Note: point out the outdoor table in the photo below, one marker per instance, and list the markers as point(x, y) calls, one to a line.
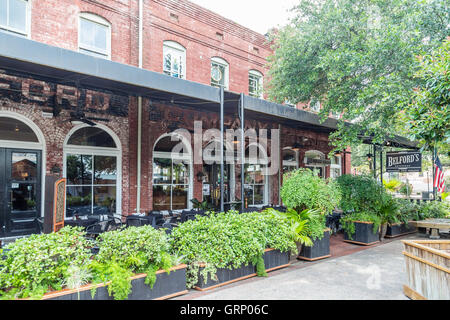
point(434, 224)
point(81, 222)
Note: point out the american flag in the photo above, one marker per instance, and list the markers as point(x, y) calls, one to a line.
point(439, 180)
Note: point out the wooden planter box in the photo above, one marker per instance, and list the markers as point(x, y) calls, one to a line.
point(427, 269)
point(363, 234)
point(320, 249)
point(399, 229)
point(166, 286)
point(273, 260)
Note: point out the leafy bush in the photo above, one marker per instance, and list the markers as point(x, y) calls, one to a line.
point(39, 263)
point(229, 240)
point(347, 221)
point(392, 185)
point(434, 209)
point(128, 251)
point(406, 189)
point(302, 189)
point(360, 193)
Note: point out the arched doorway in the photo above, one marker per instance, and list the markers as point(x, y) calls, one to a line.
point(172, 174)
point(92, 166)
point(21, 175)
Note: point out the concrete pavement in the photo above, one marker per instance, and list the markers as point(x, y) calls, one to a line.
point(377, 273)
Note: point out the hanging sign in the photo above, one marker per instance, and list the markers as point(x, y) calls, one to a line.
point(403, 161)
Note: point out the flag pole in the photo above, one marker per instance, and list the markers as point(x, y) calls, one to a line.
point(434, 173)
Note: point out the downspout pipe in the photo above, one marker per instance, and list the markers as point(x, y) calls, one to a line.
point(139, 120)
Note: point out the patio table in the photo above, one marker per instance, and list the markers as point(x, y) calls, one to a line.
point(434, 224)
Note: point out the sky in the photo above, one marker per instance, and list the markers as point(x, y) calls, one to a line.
point(258, 15)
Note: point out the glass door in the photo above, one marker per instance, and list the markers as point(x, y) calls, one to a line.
point(21, 191)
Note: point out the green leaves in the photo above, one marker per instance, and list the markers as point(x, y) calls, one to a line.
point(358, 59)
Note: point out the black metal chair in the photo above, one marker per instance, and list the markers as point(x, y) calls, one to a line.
point(40, 224)
point(134, 221)
point(94, 230)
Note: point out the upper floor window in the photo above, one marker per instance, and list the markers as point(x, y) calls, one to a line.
point(174, 63)
point(219, 73)
point(14, 16)
point(94, 36)
point(255, 84)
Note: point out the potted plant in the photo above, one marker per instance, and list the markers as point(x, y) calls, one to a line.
point(407, 212)
point(361, 227)
point(312, 199)
point(366, 206)
point(222, 248)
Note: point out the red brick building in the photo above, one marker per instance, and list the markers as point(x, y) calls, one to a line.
point(67, 114)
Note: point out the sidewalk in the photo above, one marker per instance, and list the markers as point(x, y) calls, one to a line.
point(375, 273)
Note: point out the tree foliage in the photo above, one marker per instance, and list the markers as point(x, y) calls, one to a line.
point(358, 58)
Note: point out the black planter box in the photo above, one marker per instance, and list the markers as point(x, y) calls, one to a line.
point(363, 234)
point(166, 286)
point(273, 259)
point(320, 249)
point(400, 229)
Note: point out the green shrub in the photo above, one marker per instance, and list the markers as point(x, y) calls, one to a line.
point(229, 240)
point(360, 193)
point(39, 263)
point(347, 221)
point(434, 209)
point(303, 189)
point(129, 251)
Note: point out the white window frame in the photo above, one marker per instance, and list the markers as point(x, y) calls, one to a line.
point(290, 163)
point(98, 151)
point(256, 73)
point(101, 21)
point(27, 32)
point(174, 48)
point(336, 166)
point(224, 63)
point(185, 157)
point(264, 162)
point(312, 167)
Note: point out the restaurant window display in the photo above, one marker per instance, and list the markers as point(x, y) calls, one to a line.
point(255, 178)
point(93, 173)
point(171, 176)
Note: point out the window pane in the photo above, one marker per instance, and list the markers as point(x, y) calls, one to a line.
point(180, 174)
point(79, 169)
point(161, 198)
point(12, 129)
point(180, 197)
point(168, 62)
point(104, 200)
point(93, 137)
point(24, 166)
point(105, 170)
point(93, 36)
point(162, 171)
point(3, 12)
point(248, 194)
point(23, 197)
point(259, 195)
point(101, 33)
point(78, 201)
point(18, 15)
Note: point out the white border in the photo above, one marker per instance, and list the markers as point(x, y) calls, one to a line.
point(99, 151)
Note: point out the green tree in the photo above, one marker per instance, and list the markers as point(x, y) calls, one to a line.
point(428, 115)
point(358, 58)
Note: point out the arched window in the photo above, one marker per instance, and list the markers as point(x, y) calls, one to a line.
point(290, 160)
point(315, 160)
point(172, 176)
point(93, 172)
point(94, 35)
point(15, 130)
point(174, 61)
point(255, 178)
point(255, 84)
point(220, 70)
point(336, 166)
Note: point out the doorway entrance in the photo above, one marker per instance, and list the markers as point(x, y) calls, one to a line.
point(211, 184)
point(20, 191)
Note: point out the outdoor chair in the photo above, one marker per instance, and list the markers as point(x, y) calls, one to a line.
point(94, 230)
point(136, 222)
point(40, 224)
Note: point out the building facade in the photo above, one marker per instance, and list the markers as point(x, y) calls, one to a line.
point(112, 145)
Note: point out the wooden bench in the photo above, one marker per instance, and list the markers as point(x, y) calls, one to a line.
point(435, 225)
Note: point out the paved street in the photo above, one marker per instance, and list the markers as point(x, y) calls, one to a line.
point(372, 274)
